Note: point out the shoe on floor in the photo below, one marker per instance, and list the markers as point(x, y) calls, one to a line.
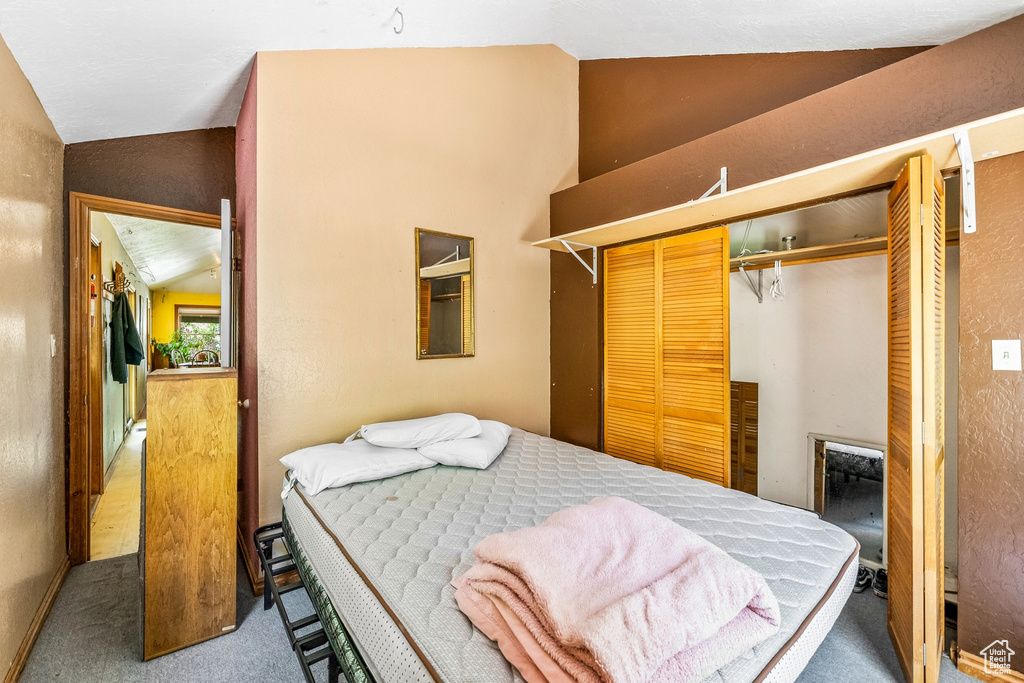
point(864, 578)
point(881, 584)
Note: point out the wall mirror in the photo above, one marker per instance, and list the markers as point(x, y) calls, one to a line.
point(444, 295)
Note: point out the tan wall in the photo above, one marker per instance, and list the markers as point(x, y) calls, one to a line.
point(355, 149)
point(31, 382)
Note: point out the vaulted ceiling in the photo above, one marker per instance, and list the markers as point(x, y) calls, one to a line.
point(109, 68)
point(171, 256)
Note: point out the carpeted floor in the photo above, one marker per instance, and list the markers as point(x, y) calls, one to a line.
point(92, 636)
point(857, 649)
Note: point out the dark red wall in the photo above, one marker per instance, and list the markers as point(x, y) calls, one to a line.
point(248, 457)
point(631, 109)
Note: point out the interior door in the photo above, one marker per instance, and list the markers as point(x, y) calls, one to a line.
point(666, 354)
point(96, 363)
point(695, 355)
point(227, 288)
point(632, 365)
point(916, 396)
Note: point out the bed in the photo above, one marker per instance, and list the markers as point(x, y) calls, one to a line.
point(377, 557)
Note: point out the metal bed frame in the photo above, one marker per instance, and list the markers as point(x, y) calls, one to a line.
point(311, 647)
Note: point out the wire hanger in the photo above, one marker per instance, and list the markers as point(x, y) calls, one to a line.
point(402, 17)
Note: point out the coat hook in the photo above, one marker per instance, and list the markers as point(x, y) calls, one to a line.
point(402, 17)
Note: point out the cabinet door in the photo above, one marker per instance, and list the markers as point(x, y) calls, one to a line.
point(743, 417)
point(631, 362)
point(695, 355)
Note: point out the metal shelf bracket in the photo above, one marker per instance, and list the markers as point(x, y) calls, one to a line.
point(722, 184)
point(592, 268)
point(758, 289)
point(963, 148)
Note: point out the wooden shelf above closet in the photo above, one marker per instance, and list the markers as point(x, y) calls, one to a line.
point(826, 252)
point(990, 137)
point(872, 246)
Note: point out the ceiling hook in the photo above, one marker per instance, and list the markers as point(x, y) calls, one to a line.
point(402, 17)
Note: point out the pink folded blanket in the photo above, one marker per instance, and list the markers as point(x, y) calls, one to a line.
point(611, 591)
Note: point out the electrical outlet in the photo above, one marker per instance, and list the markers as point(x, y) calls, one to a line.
point(1006, 354)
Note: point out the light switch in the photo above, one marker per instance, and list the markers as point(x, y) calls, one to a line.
point(1006, 354)
point(53, 346)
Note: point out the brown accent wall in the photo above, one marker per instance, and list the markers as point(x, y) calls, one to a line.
point(248, 456)
point(991, 416)
point(31, 381)
point(190, 170)
point(631, 109)
point(976, 76)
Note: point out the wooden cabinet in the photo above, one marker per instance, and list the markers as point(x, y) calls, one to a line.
point(666, 353)
point(744, 437)
point(189, 499)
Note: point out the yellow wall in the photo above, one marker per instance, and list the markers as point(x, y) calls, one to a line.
point(32, 300)
point(163, 310)
point(356, 149)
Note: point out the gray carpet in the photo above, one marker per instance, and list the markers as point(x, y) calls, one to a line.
point(857, 649)
point(92, 636)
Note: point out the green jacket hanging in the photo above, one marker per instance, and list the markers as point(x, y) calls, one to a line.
point(125, 345)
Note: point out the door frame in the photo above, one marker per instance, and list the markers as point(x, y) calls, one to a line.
point(80, 208)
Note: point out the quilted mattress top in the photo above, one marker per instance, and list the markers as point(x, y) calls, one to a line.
point(411, 535)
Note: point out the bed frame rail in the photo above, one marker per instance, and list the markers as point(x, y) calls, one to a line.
point(311, 647)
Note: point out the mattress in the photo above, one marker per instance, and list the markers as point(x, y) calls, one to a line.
point(385, 552)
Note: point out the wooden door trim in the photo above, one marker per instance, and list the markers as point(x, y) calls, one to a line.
point(80, 206)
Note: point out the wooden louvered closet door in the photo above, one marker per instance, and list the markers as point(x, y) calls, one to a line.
point(631, 365)
point(916, 397)
point(667, 354)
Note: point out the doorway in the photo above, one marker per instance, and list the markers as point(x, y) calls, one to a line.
point(133, 252)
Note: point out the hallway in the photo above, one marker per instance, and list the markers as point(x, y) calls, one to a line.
point(115, 523)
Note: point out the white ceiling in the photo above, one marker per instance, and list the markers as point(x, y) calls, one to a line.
point(171, 256)
point(110, 68)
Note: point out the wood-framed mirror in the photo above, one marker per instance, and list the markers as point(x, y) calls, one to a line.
point(445, 326)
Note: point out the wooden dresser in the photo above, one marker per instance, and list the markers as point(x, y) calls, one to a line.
point(189, 482)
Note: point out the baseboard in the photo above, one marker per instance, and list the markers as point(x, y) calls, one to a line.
point(973, 665)
point(256, 575)
point(109, 473)
point(21, 656)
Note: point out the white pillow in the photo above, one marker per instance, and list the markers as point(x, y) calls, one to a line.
point(478, 451)
point(336, 464)
point(420, 432)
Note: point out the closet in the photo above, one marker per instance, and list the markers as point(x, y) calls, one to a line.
point(666, 354)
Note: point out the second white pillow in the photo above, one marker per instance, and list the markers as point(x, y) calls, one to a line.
point(422, 431)
point(478, 451)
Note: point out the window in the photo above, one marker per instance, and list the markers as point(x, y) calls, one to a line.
point(199, 327)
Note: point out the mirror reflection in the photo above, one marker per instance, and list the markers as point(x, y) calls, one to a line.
point(444, 266)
